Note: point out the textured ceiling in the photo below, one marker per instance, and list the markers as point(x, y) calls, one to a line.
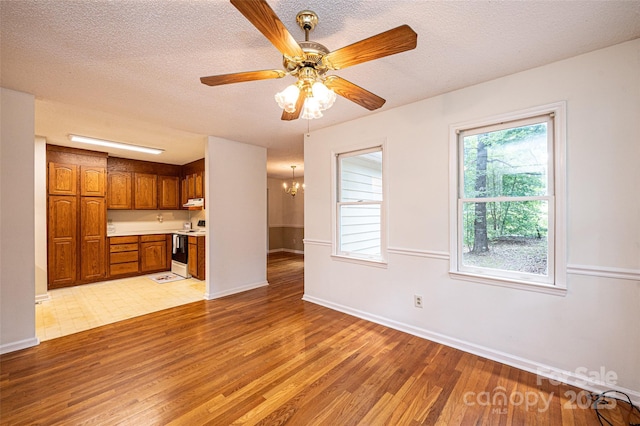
point(129, 70)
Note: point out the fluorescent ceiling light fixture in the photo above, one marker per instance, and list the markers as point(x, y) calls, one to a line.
point(111, 144)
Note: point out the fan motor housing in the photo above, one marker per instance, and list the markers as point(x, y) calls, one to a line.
point(313, 54)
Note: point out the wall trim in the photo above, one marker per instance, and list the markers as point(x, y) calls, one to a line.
point(219, 294)
point(21, 344)
point(441, 255)
point(316, 242)
point(542, 370)
point(604, 272)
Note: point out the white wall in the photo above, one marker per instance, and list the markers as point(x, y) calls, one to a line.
point(275, 201)
point(595, 325)
point(40, 211)
point(17, 219)
point(285, 210)
point(236, 182)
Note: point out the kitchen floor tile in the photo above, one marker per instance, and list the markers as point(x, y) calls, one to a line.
point(73, 309)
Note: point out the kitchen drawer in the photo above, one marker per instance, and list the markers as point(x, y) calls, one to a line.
point(123, 268)
point(115, 248)
point(123, 240)
point(150, 238)
point(123, 257)
point(193, 240)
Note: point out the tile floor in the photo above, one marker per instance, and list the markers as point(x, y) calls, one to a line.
point(74, 309)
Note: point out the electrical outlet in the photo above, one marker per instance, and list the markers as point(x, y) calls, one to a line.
point(417, 301)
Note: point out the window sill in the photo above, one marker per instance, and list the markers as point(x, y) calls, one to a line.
point(510, 283)
point(360, 261)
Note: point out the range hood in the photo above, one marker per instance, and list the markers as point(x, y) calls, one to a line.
point(194, 202)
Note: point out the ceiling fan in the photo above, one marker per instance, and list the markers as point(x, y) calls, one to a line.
point(309, 61)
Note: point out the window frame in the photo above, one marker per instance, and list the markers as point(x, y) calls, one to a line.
point(337, 254)
point(555, 281)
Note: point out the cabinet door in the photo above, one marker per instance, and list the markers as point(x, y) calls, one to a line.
point(146, 191)
point(62, 245)
point(183, 193)
point(198, 185)
point(93, 181)
point(153, 256)
point(119, 191)
point(191, 186)
point(62, 179)
point(168, 192)
point(192, 257)
point(93, 230)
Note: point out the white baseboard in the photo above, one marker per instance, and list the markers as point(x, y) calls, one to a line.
point(21, 344)
point(541, 370)
point(280, 250)
point(217, 295)
point(43, 297)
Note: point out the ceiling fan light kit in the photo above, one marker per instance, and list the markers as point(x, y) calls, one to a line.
point(309, 61)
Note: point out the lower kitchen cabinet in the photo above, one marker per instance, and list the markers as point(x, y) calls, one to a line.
point(153, 253)
point(123, 256)
point(196, 257)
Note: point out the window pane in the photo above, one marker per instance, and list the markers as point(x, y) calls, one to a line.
point(509, 162)
point(360, 229)
point(361, 177)
point(509, 235)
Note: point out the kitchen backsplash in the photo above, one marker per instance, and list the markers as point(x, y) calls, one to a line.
point(131, 221)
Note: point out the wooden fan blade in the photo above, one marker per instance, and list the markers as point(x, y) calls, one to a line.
point(239, 77)
point(288, 116)
point(260, 14)
point(390, 42)
point(354, 92)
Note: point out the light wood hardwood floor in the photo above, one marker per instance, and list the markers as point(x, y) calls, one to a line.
point(266, 357)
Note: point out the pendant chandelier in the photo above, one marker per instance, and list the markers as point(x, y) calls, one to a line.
point(293, 188)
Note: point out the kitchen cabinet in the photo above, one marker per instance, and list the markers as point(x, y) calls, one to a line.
point(153, 253)
point(119, 190)
point(62, 179)
point(198, 185)
point(145, 194)
point(168, 193)
point(62, 240)
point(93, 231)
point(76, 216)
point(183, 193)
point(196, 257)
point(123, 256)
point(192, 186)
point(93, 182)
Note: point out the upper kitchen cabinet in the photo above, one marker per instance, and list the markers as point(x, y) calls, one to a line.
point(119, 190)
point(168, 193)
point(93, 181)
point(193, 180)
point(145, 191)
point(143, 185)
point(199, 184)
point(62, 179)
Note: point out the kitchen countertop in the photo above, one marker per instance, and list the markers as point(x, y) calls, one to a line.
point(194, 232)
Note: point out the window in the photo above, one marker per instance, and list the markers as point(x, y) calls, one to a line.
point(360, 205)
point(507, 205)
